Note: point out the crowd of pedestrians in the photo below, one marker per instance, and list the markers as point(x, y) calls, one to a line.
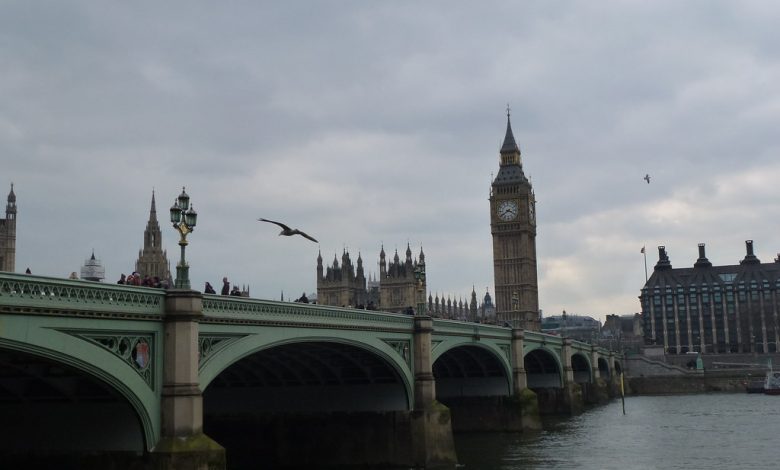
point(135, 279)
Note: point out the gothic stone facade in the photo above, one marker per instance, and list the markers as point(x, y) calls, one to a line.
point(8, 235)
point(398, 288)
point(345, 285)
point(513, 226)
point(341, 285)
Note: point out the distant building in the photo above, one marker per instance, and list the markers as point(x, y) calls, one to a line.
point(623, 332)
point(398, 288)
point(713, 309)
point(341, 285)
point(8, 235)
point(579, 327)
point(92, 269)
point(152, 259)
point(487, 310)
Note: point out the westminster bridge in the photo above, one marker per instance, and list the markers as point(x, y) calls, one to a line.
point(93, 373)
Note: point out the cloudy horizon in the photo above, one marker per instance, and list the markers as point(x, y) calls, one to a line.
point(370, 124)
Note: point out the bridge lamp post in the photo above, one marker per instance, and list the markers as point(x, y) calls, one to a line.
point(419, 276)
point(183, 218)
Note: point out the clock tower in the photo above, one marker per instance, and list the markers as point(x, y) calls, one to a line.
point(513, 226)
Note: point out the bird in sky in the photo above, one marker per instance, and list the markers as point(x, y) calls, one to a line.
point(287, 231)
point(647, 178)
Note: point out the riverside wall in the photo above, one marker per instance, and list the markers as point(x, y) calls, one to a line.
point(644, 376)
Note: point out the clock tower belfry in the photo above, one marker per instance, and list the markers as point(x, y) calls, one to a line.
point(513, 226)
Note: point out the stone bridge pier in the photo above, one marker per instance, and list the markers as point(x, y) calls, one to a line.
point(182, 444)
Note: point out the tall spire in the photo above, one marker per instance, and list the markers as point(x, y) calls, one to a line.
point(509, 146)
point(153, 210)
point(152, 259)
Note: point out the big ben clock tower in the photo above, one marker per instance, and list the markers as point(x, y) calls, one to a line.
point(513, 226)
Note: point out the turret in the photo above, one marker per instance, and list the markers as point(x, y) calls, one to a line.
point(382, 263)
point(10, 207)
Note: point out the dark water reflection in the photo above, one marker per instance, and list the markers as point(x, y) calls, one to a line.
point(715, 431)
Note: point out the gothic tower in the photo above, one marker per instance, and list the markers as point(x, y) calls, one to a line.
point(8, 234)
point(341, 285)
point(513, 226)
point(152, 260)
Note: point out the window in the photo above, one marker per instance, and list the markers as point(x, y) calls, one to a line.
point(729, 277)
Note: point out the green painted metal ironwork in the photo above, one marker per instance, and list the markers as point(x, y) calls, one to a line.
point(115, 333)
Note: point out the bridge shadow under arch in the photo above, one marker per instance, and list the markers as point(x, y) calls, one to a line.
point(544, 376)
point(57, 413)
point(470, 371)
point(305, 377)
point(604, 372)
point(304, 403)
point(473, 382)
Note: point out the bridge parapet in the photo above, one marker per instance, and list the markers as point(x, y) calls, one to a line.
point(239, 309)
point(476, 330)
point(24, 291)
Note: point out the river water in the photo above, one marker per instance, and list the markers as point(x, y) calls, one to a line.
point(713, 431)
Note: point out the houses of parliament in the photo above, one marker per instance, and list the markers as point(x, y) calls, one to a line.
point(398, 289)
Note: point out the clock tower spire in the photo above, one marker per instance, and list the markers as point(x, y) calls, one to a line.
point(513, 226)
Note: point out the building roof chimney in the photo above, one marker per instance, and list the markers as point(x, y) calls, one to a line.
point(702, 262)
point(749, 258)
point(663, 260)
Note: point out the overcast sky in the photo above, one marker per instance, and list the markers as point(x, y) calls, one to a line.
point(370, 123)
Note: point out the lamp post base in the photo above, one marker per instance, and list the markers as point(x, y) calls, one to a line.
point(182, 277)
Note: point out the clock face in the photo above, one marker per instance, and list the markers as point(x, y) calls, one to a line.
point(507, 210)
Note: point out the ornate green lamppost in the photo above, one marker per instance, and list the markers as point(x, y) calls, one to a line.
point(419, 276)
point(183, 218)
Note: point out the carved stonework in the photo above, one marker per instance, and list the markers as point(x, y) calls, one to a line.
point(136, 349)
point(402, 348)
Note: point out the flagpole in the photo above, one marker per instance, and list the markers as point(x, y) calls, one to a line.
point(622, 393)
point(644, 253)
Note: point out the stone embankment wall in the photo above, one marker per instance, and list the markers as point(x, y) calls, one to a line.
point(648, 377)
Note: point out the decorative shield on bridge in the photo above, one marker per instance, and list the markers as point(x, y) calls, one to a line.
point(141, 354)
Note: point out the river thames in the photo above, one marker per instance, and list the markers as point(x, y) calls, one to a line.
point(712, 431)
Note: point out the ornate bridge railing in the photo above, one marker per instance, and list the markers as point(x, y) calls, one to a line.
point(24, 292)
point(226, 309)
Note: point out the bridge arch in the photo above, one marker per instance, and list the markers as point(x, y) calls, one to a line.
point(604, 371)
point(470, 368)
point(543, 368)
point(384, 357)
point(580, 364)
point(124, 410)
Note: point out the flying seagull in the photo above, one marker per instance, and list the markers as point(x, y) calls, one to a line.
point(647, 178)
point(289, 231)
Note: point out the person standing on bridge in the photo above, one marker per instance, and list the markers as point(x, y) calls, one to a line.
point(225, 286)
point(208, 289)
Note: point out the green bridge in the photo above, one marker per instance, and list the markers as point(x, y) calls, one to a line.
point(93, 373)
